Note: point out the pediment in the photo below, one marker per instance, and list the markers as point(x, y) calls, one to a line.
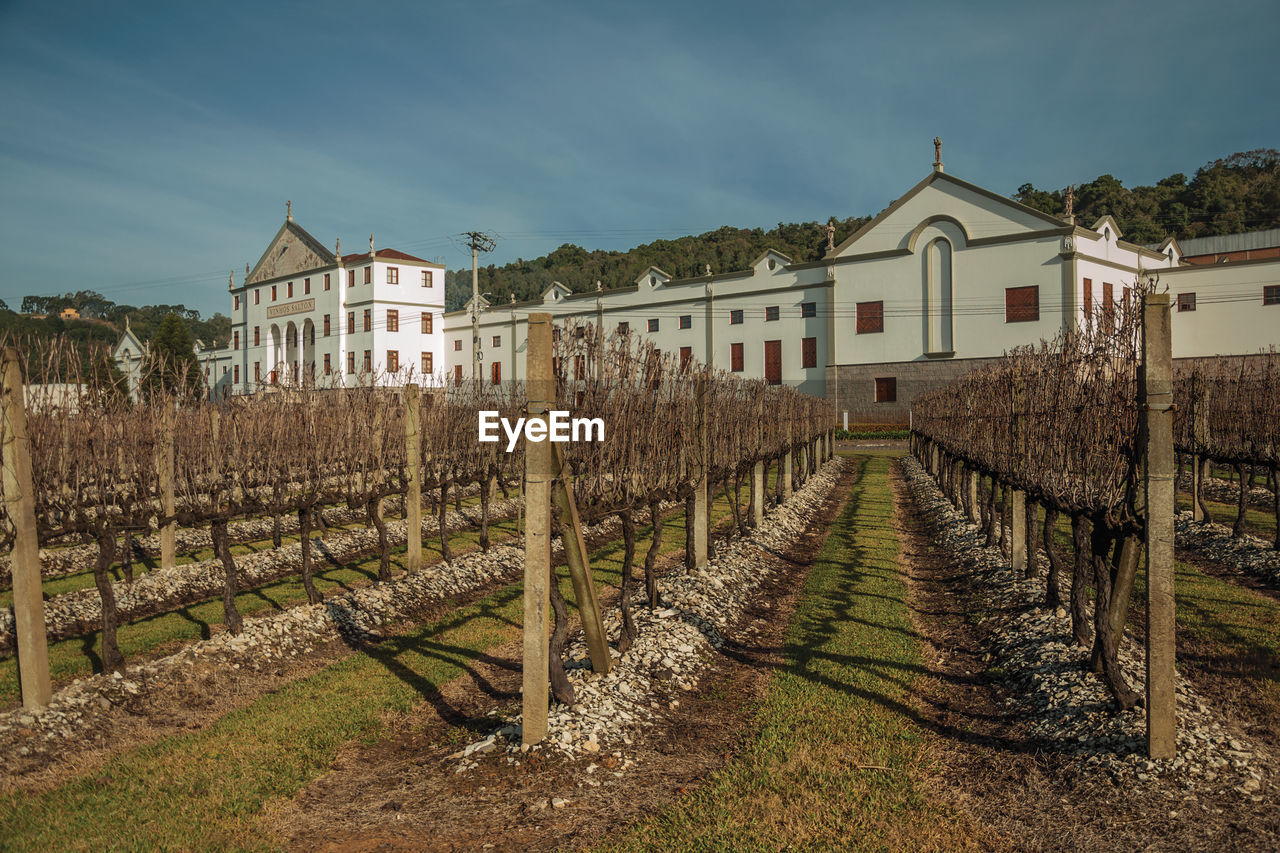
point(975, 213)
point(291, 251)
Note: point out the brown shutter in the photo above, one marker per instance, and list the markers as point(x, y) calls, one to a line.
point(1021, 304)
point(809, 352)
point(887, 390)
point(870, 317)
point(735, 357)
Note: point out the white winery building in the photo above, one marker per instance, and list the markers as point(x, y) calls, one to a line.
point(947, 276)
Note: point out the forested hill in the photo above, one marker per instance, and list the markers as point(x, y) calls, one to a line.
point(1238, 193)
point(103, 320)
point(726, 249)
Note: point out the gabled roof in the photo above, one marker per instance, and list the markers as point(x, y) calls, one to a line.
point(767, 253)
point(1107, 220)
point(935, 177)
point(129, 340)
point(662, 276)
point(555, 292)
point(384, 255)
point(292, 250)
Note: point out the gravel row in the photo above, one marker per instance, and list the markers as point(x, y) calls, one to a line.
point(356, 616)
point(76, 612)
point(1046, 677)
point(674, 647)
point(1226, 492)
point(1250, 555)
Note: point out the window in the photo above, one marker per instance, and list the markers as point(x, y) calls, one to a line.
point(426, 322)
point(809, 352)
point(351, 278)
point(579, 367)
point(288, 291)
point(257, 337)
point(235, 376)
point(457, 345)
point(257, 371)
point(351, 362)
point(887, 390)
point(1186, 302)
point(497, 340)
point(1271, 294)
point(624, 328)
point(393, 361)
point(426, 278)
point(237, 302)
point(428, 366)
point(368, 319)
point(235, 337)
point(368, 361)
point(870, 317)
point(771, 313)
point(686, 321)
point(393, 320)
point(326, 281)
point(686, 357)
point(1108, 302)
point(457, 373)
point(808, 309)
point(1088, 298)
point(306, 286)
point(328, 365)
point(257, 297)
point(327, 326)
point(393, 275)
point(735, 317)
point(351, 322)
point(497, 373)
point(735, 357)
point(653, 325)
point(368, 275)
point(273, 293)
point(1021, 304)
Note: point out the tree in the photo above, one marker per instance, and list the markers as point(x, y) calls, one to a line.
point(171, 365)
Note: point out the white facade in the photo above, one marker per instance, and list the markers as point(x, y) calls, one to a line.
point(947, 275)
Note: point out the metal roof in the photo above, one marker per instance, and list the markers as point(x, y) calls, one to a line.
point(1267, 239)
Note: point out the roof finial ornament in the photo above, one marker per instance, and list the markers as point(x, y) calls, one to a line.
point(707, 269)
point(246, 269)
point(831, 234)
point(937, 154)
point(231, 280)
point(288, 211)
point(599, 286)
point(513, 298)
point(371, 252)
point(1070, 203)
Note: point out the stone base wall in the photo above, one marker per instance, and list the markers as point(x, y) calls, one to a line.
point(852, 387)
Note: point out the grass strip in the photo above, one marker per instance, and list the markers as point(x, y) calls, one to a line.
point(204, 790)
point(837, 760)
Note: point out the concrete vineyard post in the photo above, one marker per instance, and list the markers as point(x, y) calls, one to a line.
point(575, 554)
point(24, 565)
point(701, 504)
point(971, 479)
point(1018, 532)
point(413, 494)
point(168, 504)
point(785, 473)
point(537, 540)
point(1157, 400)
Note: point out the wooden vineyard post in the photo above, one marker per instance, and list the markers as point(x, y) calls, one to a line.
point(24, 564)
point(1157, 399)
point(702, 461)
point(575, 554)
point(1018, 530)
point(757, 494)
point(168, 505)
point(1197, 461)
point(971, 481)
point(785, 472)
point(537, 540)
point(413, 494)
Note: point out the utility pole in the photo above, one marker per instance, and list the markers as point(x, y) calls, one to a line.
point(477, 241)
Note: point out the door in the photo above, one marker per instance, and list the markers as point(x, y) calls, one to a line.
point(773, 362)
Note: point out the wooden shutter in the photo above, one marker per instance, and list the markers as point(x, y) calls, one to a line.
point(870, 317)
point(887, 390)
point(809, 352)
point(735, 357)
point(1021, 304)
point(686, 357)
point(773, 362)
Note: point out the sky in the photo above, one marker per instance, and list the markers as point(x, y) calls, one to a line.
point(148, 149)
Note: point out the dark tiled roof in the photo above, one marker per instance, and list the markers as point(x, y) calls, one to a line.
point(382, 254)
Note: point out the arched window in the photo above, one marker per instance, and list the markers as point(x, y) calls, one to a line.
point(938, 296)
